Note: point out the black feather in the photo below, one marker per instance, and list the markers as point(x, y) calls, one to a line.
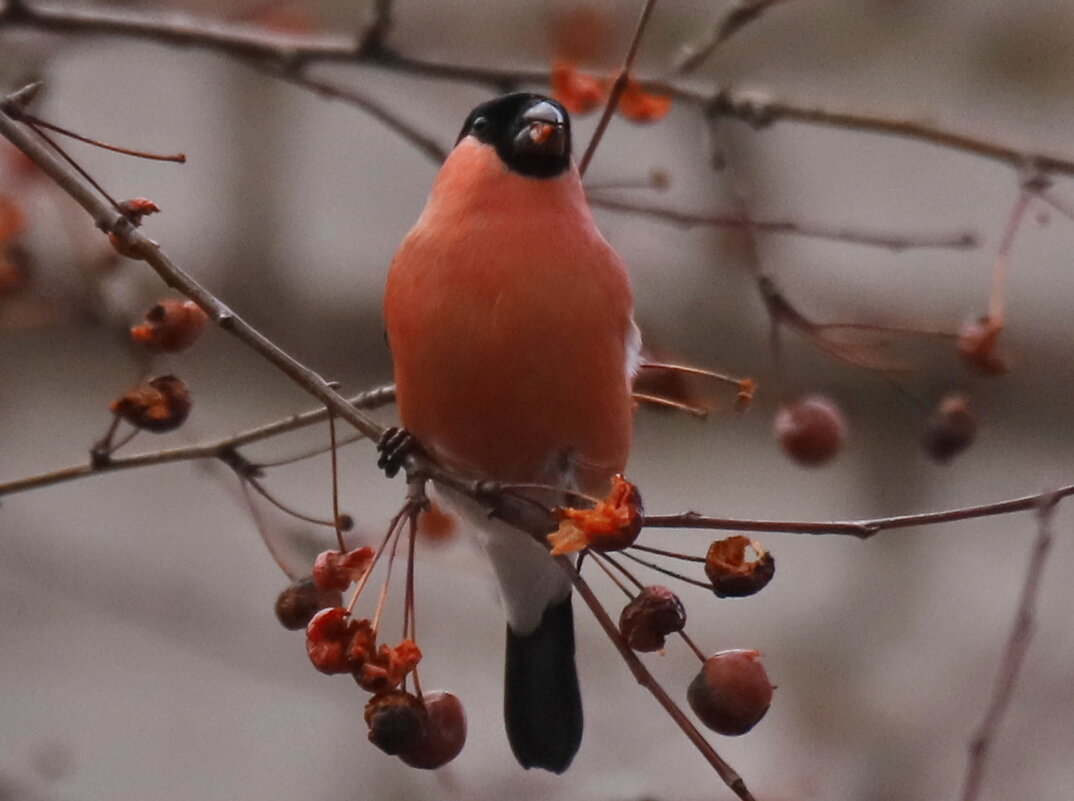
point(542, 704)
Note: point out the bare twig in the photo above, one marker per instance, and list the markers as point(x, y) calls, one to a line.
point(862, 529)
point(645, 678)
point(290, 52)
point(738, 16)
point(618, 86)
point(760, 110)
point(1014, 653)
point(897, 242)
point(223, 449)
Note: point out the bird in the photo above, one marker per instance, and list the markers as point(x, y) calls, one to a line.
point(510, 323)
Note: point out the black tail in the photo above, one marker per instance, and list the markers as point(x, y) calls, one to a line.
point(542, 706)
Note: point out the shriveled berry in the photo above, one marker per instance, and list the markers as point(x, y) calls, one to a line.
point(300, 601)
point(336, 570)
point(951, 428)
point(978, 346)
point(162, 404)
point(810, 430)
point(397, 721)
point(170, 326)
point(327, 637)
point(654, 613)
point(731, 693)
point(444, 734)
point(732, 573)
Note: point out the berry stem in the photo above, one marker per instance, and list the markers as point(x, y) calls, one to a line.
point(667, 572)
point(728, 774)
point(608, 572)
point(672, 554)
point(335, 479)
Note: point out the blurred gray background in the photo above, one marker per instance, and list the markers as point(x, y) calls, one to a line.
point(139, 655)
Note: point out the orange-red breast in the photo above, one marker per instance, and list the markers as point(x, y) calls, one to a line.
point(510, 323)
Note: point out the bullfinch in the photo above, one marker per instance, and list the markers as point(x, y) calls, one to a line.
point(509, 319)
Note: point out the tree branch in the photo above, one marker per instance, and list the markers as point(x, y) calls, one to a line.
point(897, 242)
point(862, 529)
point(291, 52)
point(225, 449)
point(1014, 654)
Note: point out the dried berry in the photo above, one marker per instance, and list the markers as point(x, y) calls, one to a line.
point(654, 613)
point(170, 326)
point(160, 405)
point(731, 693)
point(299, 602)
point(951, 428)
point(396, 721)
point(328, 636)
point(611, 525)
point(444, 734)
point(337, 570)
point(378, 669)
point(979, 349)
point(810, 430)
point(731, 570)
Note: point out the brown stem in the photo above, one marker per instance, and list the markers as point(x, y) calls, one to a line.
point(223, 449)
point(1014, 653)
point(862, 529)
point(618, 86)
point(898, 242)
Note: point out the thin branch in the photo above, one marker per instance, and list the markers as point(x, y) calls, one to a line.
point(428, 146)
point(737, 17)
point(862, 529)
point(760, 111)
point(619, 85)
point(898, 242)
point(1014, 653)
point(224, 449)
point(243, 40)
point(645, 678)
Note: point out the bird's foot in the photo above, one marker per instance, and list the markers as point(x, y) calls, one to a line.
point(394, 446)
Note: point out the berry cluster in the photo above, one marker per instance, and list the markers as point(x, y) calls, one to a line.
point(425, 730)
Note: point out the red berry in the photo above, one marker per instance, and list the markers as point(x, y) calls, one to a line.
point(327, 637)
point(299, 602)
point(810, 430)
point(170, 326)
point(653, 614)
point(444, 734)
point(731, 693)
point(951, 428)
point(160, 405)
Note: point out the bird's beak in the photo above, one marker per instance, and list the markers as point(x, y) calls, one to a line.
point(544, 132)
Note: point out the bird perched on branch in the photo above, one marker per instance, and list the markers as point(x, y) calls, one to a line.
point(509, 319)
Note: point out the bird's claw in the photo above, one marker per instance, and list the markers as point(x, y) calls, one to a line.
point(394, 446)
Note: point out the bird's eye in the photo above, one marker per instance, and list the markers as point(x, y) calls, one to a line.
point(480, 125)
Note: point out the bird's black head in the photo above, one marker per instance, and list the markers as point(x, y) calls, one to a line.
point(531, 133)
